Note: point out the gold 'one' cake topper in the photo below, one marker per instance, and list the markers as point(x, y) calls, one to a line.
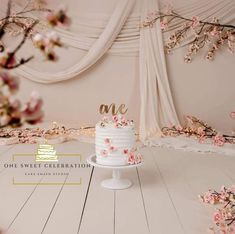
point(105, 109)
point(46, 153)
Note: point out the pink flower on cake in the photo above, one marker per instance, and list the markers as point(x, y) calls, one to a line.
point(125, 151)
point(115, 118)
point(219, 140)
point(131, 159)
point(107, 141)
point(112, 148)
point(104, 153)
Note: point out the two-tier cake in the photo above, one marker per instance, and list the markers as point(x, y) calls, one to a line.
point(46, 153)
point(115, 142)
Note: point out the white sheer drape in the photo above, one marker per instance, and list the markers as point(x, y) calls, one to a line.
point(157, 106)
point(119, 34)
point(96, 51)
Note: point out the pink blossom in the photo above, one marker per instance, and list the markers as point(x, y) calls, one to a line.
point(163, 25)
point(217, 217)
point(32, 110)
point(179, 128)
point(111, 148)
point(210, 197)
point(59, 17)
point(215, 32)
point(107, 141)
point(131, 159)
point(11, 81)
point(125, 151)
point(104, 153)
point(195, 22)
point(201, 131)
point(115, 118)
point(219, 140)
point(232, 114)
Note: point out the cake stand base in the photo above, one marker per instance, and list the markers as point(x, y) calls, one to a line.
point(116, 182)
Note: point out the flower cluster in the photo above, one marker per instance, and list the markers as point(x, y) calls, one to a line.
point(117, 121)
point(27, 26)
point(205, 33)
point(59, 17)
point(202, 131)
point(47, 43)
point(35, 135)
point(11, 111)
point(109, 147)
point(223, 217)
point(133, 156)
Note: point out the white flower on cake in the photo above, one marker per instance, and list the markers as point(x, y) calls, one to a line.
point(117, 121)
point(115, 139)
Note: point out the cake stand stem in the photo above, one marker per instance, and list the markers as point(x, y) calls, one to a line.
point(116, 182)
point(116, 174)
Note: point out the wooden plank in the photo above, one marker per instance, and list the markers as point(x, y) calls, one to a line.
point(44, 199)
point(129, 207)
point(161, 214)
point(13, 198)
point(34, 214)
point(98, 215)
point(186, 175)
point(67, 212)
point(4, 148)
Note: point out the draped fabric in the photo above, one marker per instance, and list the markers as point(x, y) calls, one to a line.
point(96, 51)
point(120, 34)
point(157, 106)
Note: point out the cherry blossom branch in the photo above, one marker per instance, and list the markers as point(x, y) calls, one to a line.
point(202, 131)
point(12, 113)
point(214, 34)
point(224, 216)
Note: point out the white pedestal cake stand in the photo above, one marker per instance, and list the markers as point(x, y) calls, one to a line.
point(116, 182)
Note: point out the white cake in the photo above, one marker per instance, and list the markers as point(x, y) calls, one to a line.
point(115, 140)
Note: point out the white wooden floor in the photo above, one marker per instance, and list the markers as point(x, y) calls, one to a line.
point(163, 198)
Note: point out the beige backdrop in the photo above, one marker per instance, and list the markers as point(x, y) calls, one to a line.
point(204, 89)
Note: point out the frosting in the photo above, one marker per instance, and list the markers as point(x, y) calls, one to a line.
point(115, 139)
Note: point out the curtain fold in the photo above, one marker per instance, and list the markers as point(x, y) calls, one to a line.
point(157, 106)
point(96, 51)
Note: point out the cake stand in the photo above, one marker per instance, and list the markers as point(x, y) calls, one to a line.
point(116, 182)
